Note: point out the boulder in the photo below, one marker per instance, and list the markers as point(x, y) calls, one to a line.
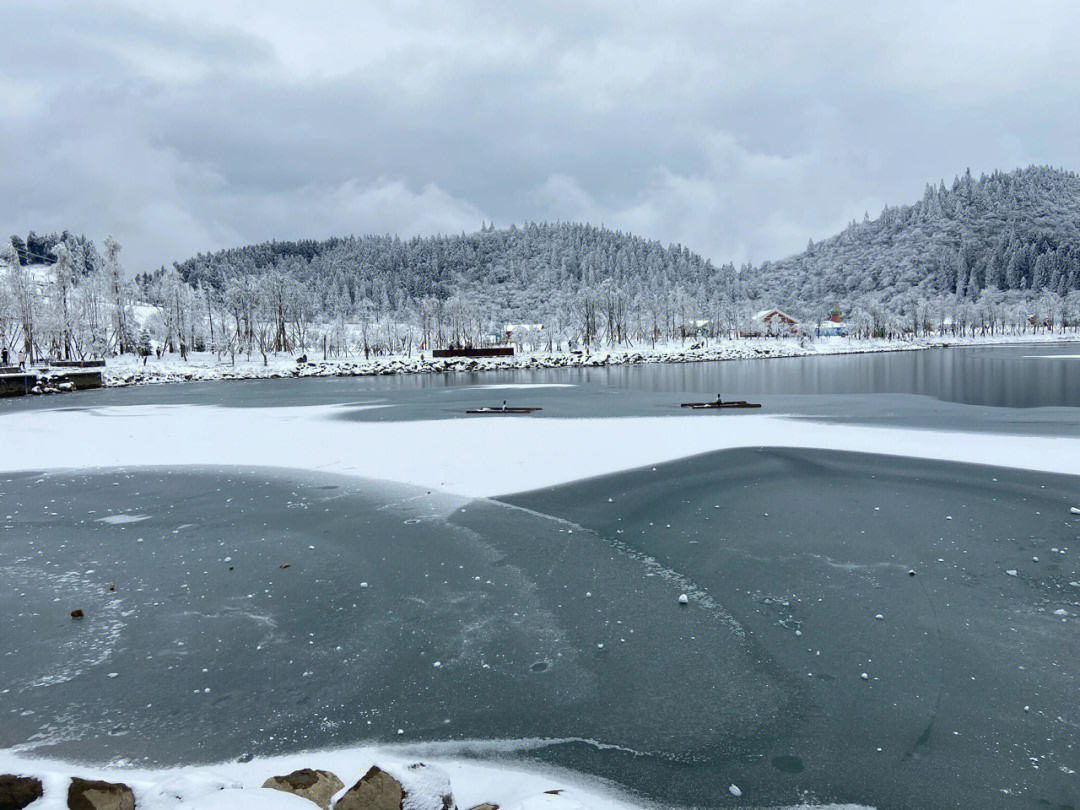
point(376, 790)
point(16, 792)
point(89, 794)
point(427, 788)
point(315, 786)
point(485, 806)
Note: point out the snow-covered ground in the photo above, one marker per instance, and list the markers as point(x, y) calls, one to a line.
point(130, 370)
point(235, 785)
point(238, 785)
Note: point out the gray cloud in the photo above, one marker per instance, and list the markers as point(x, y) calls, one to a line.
point(739, 129)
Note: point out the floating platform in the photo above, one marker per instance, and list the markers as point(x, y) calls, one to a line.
point(17, 383)
point(490, 351)
point(718, 405)
point(501, 410)
point(49, 381)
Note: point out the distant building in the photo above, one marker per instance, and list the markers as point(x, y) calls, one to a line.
point(831, 329)
point(523, 333)
point(773, 322)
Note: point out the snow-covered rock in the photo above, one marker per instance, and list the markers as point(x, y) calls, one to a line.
point(188, 789)
point(319, 787)
point(427, 787)
point(375, 790)
point(92, 794)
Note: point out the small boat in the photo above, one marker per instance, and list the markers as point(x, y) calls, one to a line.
point(504, 408)
point(719, 404)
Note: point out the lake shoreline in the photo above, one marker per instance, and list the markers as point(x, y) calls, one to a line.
point(206, 368)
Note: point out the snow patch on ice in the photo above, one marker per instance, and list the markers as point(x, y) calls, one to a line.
point(478, 458)
point(120, 520)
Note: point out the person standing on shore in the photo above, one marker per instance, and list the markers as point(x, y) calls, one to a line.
point(22, 360)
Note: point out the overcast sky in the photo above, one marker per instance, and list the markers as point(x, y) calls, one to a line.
point(739, 129)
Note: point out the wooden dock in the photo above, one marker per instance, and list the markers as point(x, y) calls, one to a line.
point(502, 410)
point(51, 380)
point(718, 405)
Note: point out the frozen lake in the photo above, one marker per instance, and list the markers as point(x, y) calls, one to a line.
point(546, 624)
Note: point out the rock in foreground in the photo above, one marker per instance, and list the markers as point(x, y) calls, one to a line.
point(315, 786)
point(16, 792)
point(376, 790)
point(88, 794)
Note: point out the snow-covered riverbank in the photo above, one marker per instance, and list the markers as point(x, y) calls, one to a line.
point(207, 367)
point(472, 783)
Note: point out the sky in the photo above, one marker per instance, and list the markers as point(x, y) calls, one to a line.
point(741, 130)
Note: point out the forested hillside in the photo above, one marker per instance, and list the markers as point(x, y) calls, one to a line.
point(525, 273)
point(1017, 231)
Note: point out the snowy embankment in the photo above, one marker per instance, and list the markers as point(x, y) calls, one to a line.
point(469, 783)
point(208, 367)
point(235, 785)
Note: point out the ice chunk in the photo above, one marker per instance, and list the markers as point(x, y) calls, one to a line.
point(119, 520)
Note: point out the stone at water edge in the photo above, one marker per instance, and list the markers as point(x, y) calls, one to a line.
point(16, 792)
point(684, 599)
point(316, 786)
point(376, 790)
point(89, 794)
point(427, 788)
point(485, 806)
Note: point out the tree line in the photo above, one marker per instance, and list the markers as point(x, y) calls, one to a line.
point(988, 256)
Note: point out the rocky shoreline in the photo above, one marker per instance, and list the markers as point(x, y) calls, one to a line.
point(121, 375)
point(413, 787)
